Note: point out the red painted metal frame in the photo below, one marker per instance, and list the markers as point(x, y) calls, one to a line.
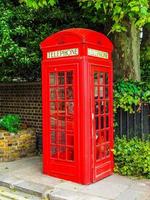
point(83, 168)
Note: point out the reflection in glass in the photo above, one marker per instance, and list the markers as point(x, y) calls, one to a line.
point(70, 140)
point(107, 135)
point(106, 92)
point(97, 138)
point(101, 107)
point(96, 108)
point(53, 122)
point(69, 77)
point(61, 93)
point(96, 78)
point(52, 78)
point(98, 153)
point(102, 137)
point(96, 92)
point(107, 150)
point(70, 107)
point(52, 93)
point(69, 92)
point(102, 149)
point(53, 137)
point(61, 78)
point(107, 106)
point(101, 78)
point(53, 107)
point(101, 91)
point(62, 137)
point(70, 154)
point(54, 151)
point(106, 78)
point(61, 122)
point(61, 107)
point(107, 121)
point(62, 152)
point(102, 122)
point(96, 123)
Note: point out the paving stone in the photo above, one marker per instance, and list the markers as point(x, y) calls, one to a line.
point(70, 186)
point(133, 195)
point(26, 174)
point(9, 181)
point(8, 194)
point(59, 194)
point(32, 188)
point(105, 190)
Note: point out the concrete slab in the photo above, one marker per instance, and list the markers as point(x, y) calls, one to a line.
point(133, 195)
point(7, 194)
point(59, 194)
point(105, 189)
point(26, 174)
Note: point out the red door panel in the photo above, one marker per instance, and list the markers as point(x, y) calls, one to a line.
point(62, 129)
point(102, 122)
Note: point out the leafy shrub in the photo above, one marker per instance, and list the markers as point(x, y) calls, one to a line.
point(130, 93)
point(10, 123)
point(132, 157)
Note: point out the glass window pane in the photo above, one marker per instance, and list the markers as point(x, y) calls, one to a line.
point(96, 122)
point(102, 150)
point(96, 78)
point(101, 92)
point(53, 122)
point(96, 92)
point(61, 78)
point(54, 151)
point(106, 92)
point(53, 107)
point(70, 140)
point(70, 124)
point(69, 92)
point(107, 135)
point(62, 152)
point(70, 77)
point(52, 78)
point(107, 106)
point(96, 108)
point(107, 150)
point(98, 153)
point(70, 154)
point(61, 93)
point(101, 78)
point(102, 122)
point(61, 107)
point(70, 107)
point(62, 137)
point(61, 122)
point(53, 137)
point(101, 107)
point(107, 121)
point(97, 138)
point(52, 93)
point(106, 78)
point(102, 136)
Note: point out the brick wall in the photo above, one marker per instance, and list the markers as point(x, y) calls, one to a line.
point(23, 99)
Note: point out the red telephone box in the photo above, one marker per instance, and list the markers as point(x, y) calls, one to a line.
point(77, 95)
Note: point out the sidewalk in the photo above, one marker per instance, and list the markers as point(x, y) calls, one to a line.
point(26, 175)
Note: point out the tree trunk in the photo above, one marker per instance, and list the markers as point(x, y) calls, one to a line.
point(127, 54)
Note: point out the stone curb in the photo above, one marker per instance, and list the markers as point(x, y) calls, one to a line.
point(24, 186)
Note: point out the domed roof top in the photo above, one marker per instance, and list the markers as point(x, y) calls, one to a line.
point(77, 35)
